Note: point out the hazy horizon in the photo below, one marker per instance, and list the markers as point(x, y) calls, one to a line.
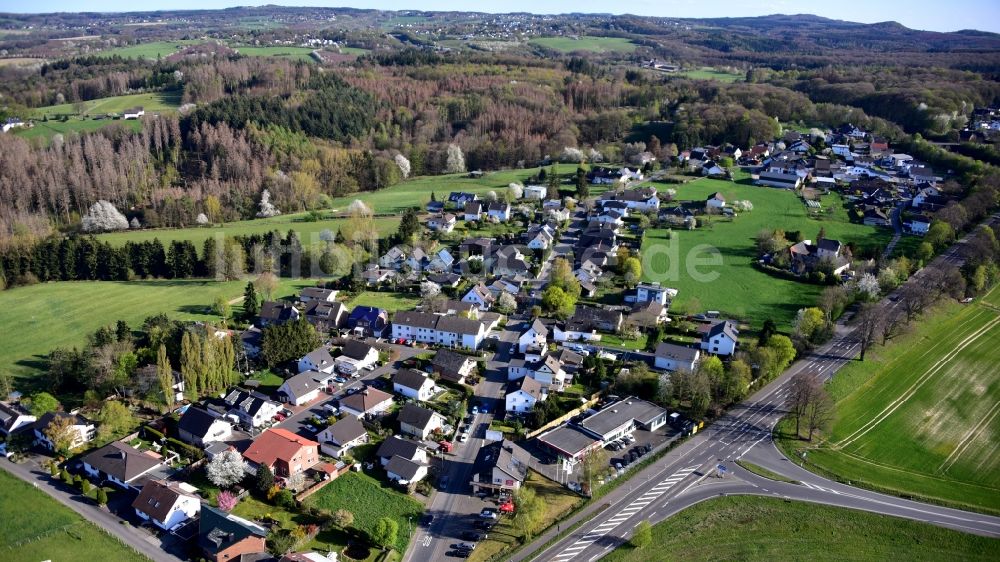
point(980, 15)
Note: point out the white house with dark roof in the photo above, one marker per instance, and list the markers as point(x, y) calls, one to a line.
point(622, 418)
point(715, 201)
point(535, 336)
point(449, 331)
point(501, 467)
point(355, 356)
point(342, 436)
point(167, 504)
point(453, 366)
point(314, 294)
point(13, 417)
point(523, 394)
point(499, 210)
point(395, 446)
point(303, 388)
point(673, 357)
point(199, 427)
point(318, 359)
point(419, 422)
point(120, 464)
point(413, 384)
point(653, 292)
point(251, 408)
point(480, 296)
point(721, 338)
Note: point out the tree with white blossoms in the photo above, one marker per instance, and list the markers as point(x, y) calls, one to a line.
point(506, 303)
point(202, 218)
point(456, 160)
point(515, 191)
point(491, 196)
point(868, 287)
point(571, 154)
point(134, 223)
point(743, 205)
point(594, 156)
point(226, 469)
point(404, 165)
point(103, 216)
point(429, 289)
point(267, 209)
point(670, 193)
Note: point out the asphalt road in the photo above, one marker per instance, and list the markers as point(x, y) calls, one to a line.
point(679, 478)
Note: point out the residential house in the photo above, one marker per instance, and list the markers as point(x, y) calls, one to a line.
point(918, 224)
point(805, 257)
point(639, 198)
point(12, 123)
point(535, 336)
point(715, 201)
point(342, 436)
point(460, 198)
point(549, 372)
point(449, 331)
point(224, 537)
point(648, 314)
point(873, 216)
point(133, 113)
point(721, 338)
point(326, 316)
point(539, 237)
point(369, 403)
point(473, 211)
point(318, 359)
point(589, 318)
point(13, 417)
point(445, 279)
point(673, 357)
point(419, 422)
point(394, 258)
point(395, 446)
point(653, 292)
point(452, 366)
point(354, 356)
point(404, 471)
point(536, 192)
point(375, 276)
point(498, 210)
point(368, 321)
point(508, 261)
point(304, 387)
point(199, 427)
point(277, 312)
point(435, 206)
point(500, 468)
point(622, 418)
point(442, 223)
point(413, 384)
point(523, 393)
point(167, 504)
point(442, 261)
point(282, 451)
point(480, 296)
point(779, 178)
point(314, 294)
point(120, 464)
point(253, 410)
point(82, 430)
point(711, 168)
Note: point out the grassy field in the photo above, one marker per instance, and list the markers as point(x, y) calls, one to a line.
point(46, 129)
point(922, 416)
point(389, 301)
point(392, 200)
point(151, 102)
point(711, 74)
point(369, 500)
point(36, 527)
point(736, 288)
point(296, 53)
point(150, 50)
point(765, 529)
point(61, 314)
point(591, 44)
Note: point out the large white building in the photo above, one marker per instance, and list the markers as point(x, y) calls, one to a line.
point(448, 331)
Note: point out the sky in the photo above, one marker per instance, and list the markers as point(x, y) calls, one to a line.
point(916, 14)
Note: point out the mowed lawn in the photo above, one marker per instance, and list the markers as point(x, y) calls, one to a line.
point(711, 74)
point(36, 527)
point(39, 318)
point(736, 288)
point(749, 528)
point(151, 102)
point(46, 129)
point(389, 301)
point(295, 53)
point(922, 416)
point(150, 50)
point(585, 43)
point(369, 500)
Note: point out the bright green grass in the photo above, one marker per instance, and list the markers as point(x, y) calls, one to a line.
point(389, 301)
point(36, 527)
point(61, 314)
point(296, 53)
point(394, 200)
point(941, 442)
point(154, 101)
point(592, 44)
point(150, 50)
point(736, 288)
point(369, 500)
point(756, 528)
point(46, 129)
point(354, 51)
point(710, 74)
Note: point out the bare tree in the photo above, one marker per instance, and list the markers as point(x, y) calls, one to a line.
point(803, 387)
point(892, 326)
point(819, 413)
point(869, 326)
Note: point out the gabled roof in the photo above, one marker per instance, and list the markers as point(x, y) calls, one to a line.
point(276, 311)
point(410, 378)
point(403, 467)
point(276, 444)
point(725, 327)
point(365, 400)
point(121, 461)
point(513, 460)
point(473, 208)
point(414, 415)
point(304, 383)
point(356, 349)
point(218, 530)
point(483, 293)
point(157, 498)
point(676, 352)
point(246, 401)
point(528, 385)
point(449, 363)
point(317, 293)
point(196, 421)
point(829, 245)
point(345, 430)
point(459, 325)
point(538, 327)
point(414, 318)
point(325, 309)
point(395, 446)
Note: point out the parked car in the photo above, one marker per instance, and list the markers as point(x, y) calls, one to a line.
point(476, 536)
point(459, 553)
point(339, 379)
point(463, 437)
point(488, 513)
